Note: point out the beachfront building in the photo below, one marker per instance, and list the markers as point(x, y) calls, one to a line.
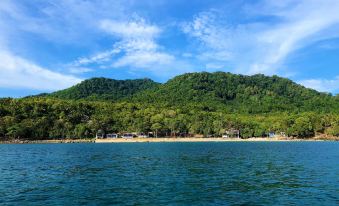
point(271, 134)
point(151, 134)
point(100, 134)
point(127, 136)
point(112, 136)
point(142, 135)
point(233, 133)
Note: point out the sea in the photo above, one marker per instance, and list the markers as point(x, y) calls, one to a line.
point(206, 173)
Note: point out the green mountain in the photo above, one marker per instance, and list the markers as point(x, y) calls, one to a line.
point(239, 93)
point(104, 89)
point(209, 91)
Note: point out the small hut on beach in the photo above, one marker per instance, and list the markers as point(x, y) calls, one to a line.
point(271, 134)
point(128, 135)
point(100, 134)
point(233, 133)
point(112, 136)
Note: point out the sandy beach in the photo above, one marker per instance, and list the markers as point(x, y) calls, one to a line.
point(169, 139)
point(193, 139)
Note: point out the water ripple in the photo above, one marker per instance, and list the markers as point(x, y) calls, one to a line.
point(231, 173)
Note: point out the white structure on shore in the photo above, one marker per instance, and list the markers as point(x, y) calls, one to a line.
point(128, 136)
point(112, 136)
point(99, 136)
point(233, 133)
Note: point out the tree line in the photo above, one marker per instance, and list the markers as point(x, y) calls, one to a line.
point(49, 118)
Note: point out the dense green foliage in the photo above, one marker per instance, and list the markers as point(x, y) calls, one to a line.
point(104, 89)
point(198, 103)
point(240, 93)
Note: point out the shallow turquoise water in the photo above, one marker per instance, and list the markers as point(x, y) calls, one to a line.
point(230, 173)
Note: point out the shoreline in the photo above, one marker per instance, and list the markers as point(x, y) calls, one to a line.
point(170, 139)
point(194, 139)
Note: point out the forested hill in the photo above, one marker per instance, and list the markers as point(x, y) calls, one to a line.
point(104, 89)
point(210, 91)
point(239, 93)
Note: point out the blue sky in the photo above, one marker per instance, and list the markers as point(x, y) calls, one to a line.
point(47, 45)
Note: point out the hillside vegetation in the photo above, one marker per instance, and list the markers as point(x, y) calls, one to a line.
point(239, 93)
point(196, 103)
point(104, 89)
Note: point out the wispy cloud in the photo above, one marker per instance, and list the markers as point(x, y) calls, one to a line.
point(323, 85)
point(97, 58)
point(79, 70)
point(136, 47)
point(137, 28)
point(134, 40)
point(16, 72)
point(137, 43)
point(215, 39)
point(261, 46)
point(52, 20)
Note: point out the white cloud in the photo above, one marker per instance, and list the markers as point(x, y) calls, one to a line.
point(81, 24)
point(138, 43)
point(79, 70)
point(137, 46)
point(256, 46)
point(303, 25)
point(97, 58)
point(215, 39)
point(61, 22)
point(130, 29)
point(16, 72)
point(144, 59)
point(322, 85)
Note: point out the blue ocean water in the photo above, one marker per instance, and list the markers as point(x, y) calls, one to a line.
point(223, 173)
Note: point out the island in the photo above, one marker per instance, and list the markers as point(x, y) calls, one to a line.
point(198, 106)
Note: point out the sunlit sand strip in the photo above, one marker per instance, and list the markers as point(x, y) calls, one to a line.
point(120, 140)
point(168, 139)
